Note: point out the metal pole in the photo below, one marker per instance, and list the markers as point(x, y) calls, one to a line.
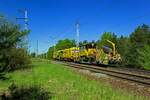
point(26, 19)
point(77, 43)
point(77, 33)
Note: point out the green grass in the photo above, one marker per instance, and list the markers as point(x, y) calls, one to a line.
point(64, 83)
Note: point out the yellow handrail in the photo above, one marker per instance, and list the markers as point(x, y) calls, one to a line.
point(113, 45)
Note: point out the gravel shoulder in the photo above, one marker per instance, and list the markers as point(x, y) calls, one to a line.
point(116, 83)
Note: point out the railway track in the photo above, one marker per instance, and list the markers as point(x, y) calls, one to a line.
point(138, 78)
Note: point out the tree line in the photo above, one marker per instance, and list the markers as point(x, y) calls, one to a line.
point(134, 49)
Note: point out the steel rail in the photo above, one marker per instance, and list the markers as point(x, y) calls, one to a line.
point(143, 79)
point(115, 71)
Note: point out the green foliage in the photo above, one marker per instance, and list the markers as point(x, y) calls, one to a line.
point(43, 56)
point(106, 36)
point(10, 35)
point(130, 47)
point(26, 93)
point(11, 56)
point(33, 54)
point(50, 52)
point(139, 38)
point(17, 59)
point(85, 42)
point(63, 44)
point(144, 57)
point(123, 45)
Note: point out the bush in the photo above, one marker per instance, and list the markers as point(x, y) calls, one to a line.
point(26, 93)
point(18, 59)
point(14, 58)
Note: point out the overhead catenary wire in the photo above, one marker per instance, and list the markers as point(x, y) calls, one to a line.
point(68, 32)
point(128, 21)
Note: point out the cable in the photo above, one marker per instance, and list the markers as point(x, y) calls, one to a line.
point(129, 20)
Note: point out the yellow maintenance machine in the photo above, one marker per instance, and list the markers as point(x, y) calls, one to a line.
point(66, 54)
point(58, 55)
point(70, 54)
point(74, 53)
point(108, 55)
point(89, 53)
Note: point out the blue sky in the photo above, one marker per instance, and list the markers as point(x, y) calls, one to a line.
point(57, 18)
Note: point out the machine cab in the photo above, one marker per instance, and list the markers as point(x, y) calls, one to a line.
point(88, 50)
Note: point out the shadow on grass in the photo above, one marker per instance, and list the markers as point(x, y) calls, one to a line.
point(34, 92)
point(4, 77)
